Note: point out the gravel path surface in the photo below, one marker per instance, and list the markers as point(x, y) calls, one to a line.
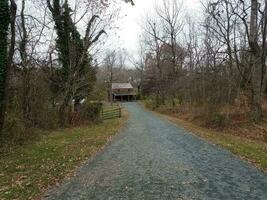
point(153, 159)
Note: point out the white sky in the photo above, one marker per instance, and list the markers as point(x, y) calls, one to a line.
point(127, 36)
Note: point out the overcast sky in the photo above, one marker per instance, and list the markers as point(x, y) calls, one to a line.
point(128, 33)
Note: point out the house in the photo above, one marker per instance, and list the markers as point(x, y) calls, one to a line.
point(123, 92)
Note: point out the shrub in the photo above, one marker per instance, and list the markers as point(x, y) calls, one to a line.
point(14, 129)
point(218, 120)
point(209, 115)
point(150, 102)
point(92, 111)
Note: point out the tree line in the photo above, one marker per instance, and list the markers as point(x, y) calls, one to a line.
point(216, 58)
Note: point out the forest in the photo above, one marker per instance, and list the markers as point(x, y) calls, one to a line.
point(212, 65)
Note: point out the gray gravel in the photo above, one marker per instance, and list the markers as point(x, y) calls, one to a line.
point(152, 159)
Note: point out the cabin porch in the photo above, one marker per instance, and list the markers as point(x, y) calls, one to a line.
point(123, 97)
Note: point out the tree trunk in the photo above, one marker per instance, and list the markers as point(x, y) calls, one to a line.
point(26, 106)
point(4, 22)
point(110, 95)
point(110, 86)
point(26, 71)
point(256, 67)
point(256, 90)
point(141, 84)
point(64, 111)
point(6, 58)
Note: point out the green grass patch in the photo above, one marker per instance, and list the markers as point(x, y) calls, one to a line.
point(27, 171)
point(253, 151)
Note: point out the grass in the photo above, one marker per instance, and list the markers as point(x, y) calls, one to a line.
point(253, 151)
point(27, 171)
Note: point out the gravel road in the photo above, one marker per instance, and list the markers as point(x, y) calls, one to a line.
point(152, 159)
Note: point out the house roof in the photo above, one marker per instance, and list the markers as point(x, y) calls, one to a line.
point(122, 86)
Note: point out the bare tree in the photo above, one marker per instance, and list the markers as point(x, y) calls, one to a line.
point(110, 63)
point(170, 15)
point(29, 37)
point(154, 39)
point(255, 30)
point(257, 67)
point(139, 64)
